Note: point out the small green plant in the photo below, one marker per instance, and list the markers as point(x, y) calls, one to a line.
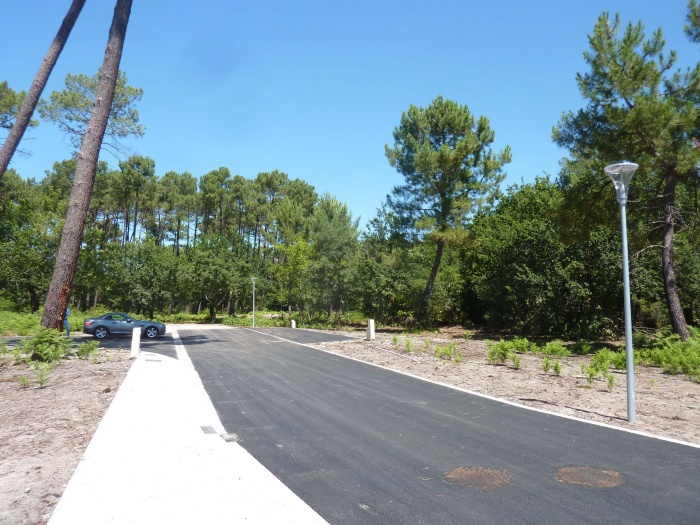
point(42, 369)
point(395, 341)
point(590, 373)
point(48, 346)
point(426, 346)
point(546, 364)
point(409, 344)
point(87, 350)
point(583, 347)
point(498, 352)
point(556, 367)
point(609, 380)
point(448, 352)
point(24, 381)
point(520, 345)
point(556, 348)
point(516, 361)
point(467, 335)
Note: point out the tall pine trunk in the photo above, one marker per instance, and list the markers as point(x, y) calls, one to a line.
point(72, 236)
point(673, 302)
point(431, 280)
point(32, 99)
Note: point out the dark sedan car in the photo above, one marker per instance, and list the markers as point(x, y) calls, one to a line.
point(121, 324)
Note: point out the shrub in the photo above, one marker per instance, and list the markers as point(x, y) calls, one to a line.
point(583, 347)
point(47, 346)
point(556, 348)
point(556, 367)
point(675, 356)
point(88, 349)
point(448, 352)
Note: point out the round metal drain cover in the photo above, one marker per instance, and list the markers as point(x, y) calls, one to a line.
point(590, 477)
point(478, 478)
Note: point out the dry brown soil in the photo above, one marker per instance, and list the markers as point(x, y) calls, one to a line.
point(45, 431)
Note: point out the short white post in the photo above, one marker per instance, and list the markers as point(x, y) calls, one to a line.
point(370, 330)
point(136, 342)
point(294, 323)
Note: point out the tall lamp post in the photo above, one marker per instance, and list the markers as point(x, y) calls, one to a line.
point(253, 279)
point(621, 175)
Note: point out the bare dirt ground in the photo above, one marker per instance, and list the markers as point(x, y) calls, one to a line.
point(45, 431)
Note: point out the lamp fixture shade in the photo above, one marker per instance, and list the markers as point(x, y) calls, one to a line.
point(621, 176)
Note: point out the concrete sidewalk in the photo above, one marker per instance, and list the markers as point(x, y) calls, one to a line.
point(158, 456)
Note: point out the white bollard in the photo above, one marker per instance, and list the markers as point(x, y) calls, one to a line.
point(294, 323)
point(136, 342)
point(370, 330)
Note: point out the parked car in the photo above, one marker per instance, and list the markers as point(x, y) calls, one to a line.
point(121, 324)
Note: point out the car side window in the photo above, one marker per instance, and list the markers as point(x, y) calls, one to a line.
point(108, 318)
point(118, 318)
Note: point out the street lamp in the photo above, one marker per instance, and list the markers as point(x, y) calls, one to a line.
point(253, 279)
point(621, 175)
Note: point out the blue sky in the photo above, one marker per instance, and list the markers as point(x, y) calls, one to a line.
point(315, 88)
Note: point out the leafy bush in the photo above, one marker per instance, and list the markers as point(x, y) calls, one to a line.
point(12, 323)
point(448, 352)
point(605, 358)
point(556, 348)
point(88, 349)
point(504, 350)
point(47, 346)
point(583, 347)
point(675, 356)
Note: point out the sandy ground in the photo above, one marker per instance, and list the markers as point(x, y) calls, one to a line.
point(45, 431)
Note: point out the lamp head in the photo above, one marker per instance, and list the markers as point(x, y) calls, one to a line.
point(621, 176)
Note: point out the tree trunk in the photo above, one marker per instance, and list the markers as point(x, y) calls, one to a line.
point(72, 236)
point(431, 281)
point(673, 302)
point(38, 85)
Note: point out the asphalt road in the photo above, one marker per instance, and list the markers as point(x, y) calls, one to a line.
point(364, 445)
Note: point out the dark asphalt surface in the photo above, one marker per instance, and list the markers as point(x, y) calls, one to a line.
point(365, 445)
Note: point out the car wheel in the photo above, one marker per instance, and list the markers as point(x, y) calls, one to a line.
point(100, 332)
point(151, 332)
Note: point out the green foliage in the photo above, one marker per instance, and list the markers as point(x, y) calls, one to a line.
point(10, 104)
point(583, 348)
point(47, 346)
point(409, 345)
point(640, 106)
point(606, 358)
point(24, 381)
point(43, 370)
point(556, 348)
point(599, 367)
point(72, 107)
point(507, 349)
point(504, 350)
point(449, 351)
point(556, 367)
point(675, 356)
point(395, 341)
point(546, 364)
point(445, 156)
point(87, 350)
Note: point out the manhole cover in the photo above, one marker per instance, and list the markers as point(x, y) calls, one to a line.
point(590, 477)
point(478, 478)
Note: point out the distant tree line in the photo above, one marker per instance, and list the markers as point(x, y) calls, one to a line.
point(448, 246)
